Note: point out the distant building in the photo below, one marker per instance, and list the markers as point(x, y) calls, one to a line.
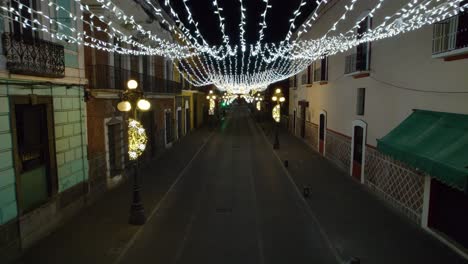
point(367, 108)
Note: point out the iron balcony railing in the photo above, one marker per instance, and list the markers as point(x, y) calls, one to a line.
point(450, 34)
point(355, 63)
point(102, 76)
point(33, 56)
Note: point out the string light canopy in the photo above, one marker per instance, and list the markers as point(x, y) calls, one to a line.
point(234, 68)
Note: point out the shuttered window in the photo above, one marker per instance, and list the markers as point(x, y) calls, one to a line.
point(114, 135)
point(361, 101)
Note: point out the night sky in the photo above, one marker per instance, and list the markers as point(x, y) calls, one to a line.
point(277, 18)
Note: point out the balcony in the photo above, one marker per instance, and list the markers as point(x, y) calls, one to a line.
point(33, 56)
point(357, 66)
point(450, 38)
point(106, 77)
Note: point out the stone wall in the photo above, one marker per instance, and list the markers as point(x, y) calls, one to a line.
point(8, 209)
point(69, 114)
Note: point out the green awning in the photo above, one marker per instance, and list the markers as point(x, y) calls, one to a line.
point(434, 142)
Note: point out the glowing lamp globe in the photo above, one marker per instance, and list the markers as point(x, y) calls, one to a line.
point(124, 106)
point(278, 91)
point(274, 98)
point(143, 105)
point(282, 99)
point(132, 84)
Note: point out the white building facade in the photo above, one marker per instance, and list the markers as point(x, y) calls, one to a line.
point(342, 105)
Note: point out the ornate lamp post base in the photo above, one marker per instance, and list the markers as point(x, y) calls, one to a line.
point(137, 211)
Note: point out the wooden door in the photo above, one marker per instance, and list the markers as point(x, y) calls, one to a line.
point(448, 212)
point(179, 124)
point(303, 120)
point(358, 144)
point(34, 151)
point(187, 120)
point(322, 134)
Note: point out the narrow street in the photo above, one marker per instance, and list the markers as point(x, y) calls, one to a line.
point(233, 204)
point(224, 196)
point(234, 132)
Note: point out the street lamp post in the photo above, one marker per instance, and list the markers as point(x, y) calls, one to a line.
point(276, 113)
point(258, 106)
point(211, 97)
point(133, 99)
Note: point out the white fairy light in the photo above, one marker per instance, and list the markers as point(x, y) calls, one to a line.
point(236, 69)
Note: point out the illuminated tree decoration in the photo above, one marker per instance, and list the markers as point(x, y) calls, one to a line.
point(277, 113)
point(136, 139)
point(212, 107)
point(259, 105)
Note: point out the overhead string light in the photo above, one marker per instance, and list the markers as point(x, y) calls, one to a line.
point(233, 68)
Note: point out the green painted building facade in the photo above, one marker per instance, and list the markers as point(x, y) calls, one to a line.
point(43, 139)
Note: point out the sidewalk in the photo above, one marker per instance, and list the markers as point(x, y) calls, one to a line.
point(355, 220)
point(100, 232)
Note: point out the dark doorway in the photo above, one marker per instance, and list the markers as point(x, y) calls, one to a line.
point(187, 121)
point(448, 212)
point(358, 141)
point(179, 124)
point(168, 124)
point(303, 120)
point(322, 127)
point(195, 112)
point(294, 122)
point(32, 124)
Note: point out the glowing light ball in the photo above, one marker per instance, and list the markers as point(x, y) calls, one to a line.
point(124, 106)
point(132, 84)
point(144, 105)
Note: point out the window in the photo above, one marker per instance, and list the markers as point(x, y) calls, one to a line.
point(135, 68)
point(363, 50)
point(361, 101)
point(114, 138)
point(304, 78)
point(26, 33)
point(118, 66)
point(321, 70)
point(158, 67)
point(168, 70)
point(292, 81)
point(360, 60)
point(452, 33)
point(168, 126)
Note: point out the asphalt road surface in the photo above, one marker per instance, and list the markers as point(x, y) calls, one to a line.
point(233, 203)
